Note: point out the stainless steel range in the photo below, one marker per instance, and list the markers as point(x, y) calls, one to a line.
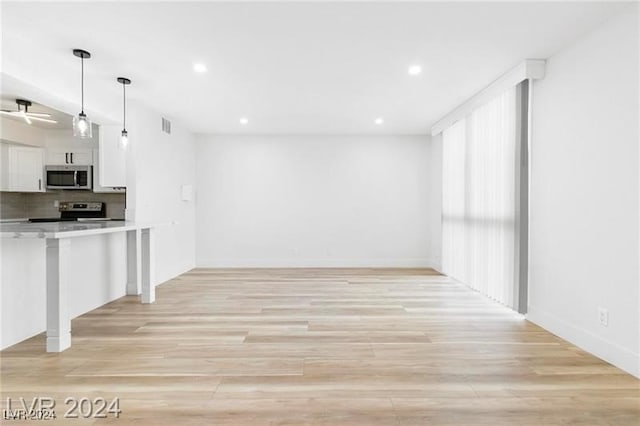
point(77, 210)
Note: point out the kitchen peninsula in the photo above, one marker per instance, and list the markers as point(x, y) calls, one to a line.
point(75, 256)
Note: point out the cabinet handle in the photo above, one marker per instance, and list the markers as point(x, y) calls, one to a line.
point(66, 157)
point(39, 184)
point(71, 157)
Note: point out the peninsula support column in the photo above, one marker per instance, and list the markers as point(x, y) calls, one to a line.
point(58, 321)
point(134, 262)
point(148, 265)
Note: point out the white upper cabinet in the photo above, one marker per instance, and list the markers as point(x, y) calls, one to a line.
point(24, 171)
point(112, 167)
point(70, 156)
point(97, 187)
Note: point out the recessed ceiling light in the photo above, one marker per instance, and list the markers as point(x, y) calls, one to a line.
point(244, 121)
point(198, 67)
point(379, 121)
point(415, 69)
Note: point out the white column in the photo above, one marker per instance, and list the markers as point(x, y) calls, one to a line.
point(148, 266)
point(134, 261)
point(58, 321)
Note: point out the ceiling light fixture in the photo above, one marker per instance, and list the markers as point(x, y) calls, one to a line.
point(26, 115)
point(124, 136)
point(197, 67)
point(82, 127)
point(244, 121)
point(415, 70)
point(379, 121)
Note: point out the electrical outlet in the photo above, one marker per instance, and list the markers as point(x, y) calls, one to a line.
point(56, 203)
point(603, 316)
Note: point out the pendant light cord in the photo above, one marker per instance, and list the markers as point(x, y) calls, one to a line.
point(124, 106)
point(82, 80)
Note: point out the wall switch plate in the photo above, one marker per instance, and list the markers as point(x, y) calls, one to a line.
point(56, 203)
point(186, 192)
point(603, 316)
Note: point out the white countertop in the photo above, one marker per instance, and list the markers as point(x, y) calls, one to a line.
point(66, 229)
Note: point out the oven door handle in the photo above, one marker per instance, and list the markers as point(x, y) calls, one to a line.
point(75, 178)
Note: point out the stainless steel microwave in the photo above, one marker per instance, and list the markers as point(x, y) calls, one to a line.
point(69, 177)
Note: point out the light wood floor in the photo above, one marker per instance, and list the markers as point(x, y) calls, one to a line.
point(330, 347)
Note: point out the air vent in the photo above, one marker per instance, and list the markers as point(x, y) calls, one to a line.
point(166, 126)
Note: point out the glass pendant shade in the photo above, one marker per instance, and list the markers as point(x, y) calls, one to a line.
point(124, 139)
point(82, 127)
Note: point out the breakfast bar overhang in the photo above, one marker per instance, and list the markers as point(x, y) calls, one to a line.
point(58, 238)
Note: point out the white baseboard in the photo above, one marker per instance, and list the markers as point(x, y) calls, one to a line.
point(317, 263)
point(613, 353)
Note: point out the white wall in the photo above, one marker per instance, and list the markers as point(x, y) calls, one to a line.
point(294, 201)
point(158, 165)
point(584, 194)
point(63, 138)
point(13, 131)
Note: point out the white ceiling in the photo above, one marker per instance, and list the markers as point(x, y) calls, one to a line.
point(290, 67)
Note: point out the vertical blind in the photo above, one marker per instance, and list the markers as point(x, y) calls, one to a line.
point(479, 199)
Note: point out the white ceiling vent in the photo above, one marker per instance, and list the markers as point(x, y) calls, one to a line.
point(166, 126)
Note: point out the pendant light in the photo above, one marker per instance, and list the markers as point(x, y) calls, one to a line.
point(82, 127)
point(124, 136)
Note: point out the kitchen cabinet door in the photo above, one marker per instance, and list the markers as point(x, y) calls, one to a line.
point(111, 158)
point(69, 156)
point(26, 169)
point(4, 166)
point(81, 157)
point(57, 157)
point(97, 187)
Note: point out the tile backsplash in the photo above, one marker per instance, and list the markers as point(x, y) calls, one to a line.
point(16, 205)
point(12, 205)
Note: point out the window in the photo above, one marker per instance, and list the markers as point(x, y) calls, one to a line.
point(481, 199)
